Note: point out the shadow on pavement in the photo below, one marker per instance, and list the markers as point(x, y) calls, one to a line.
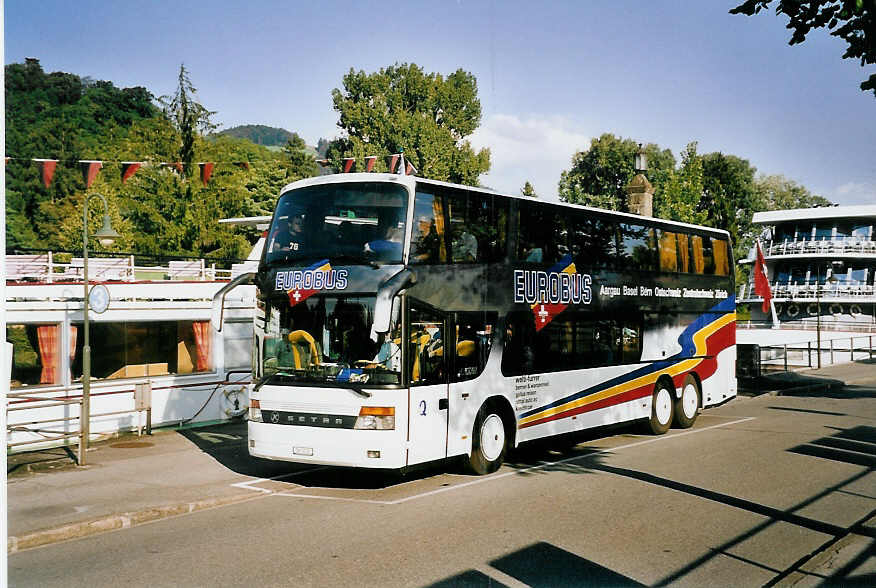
point(542, 564)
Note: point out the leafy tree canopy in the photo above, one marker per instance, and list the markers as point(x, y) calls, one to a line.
point(157, 211)
point(853, 21)
point(402, 108)
point(528, 190)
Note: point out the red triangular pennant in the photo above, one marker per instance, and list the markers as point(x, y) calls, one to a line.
point(206, 171)
point(393, 161)
point(89, 171)
point(369, 162)
point(129, 168)
point(47, 170)
point(349, 164)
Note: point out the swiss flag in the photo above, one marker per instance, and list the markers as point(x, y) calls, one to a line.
point(300, 294)
point(761, 282)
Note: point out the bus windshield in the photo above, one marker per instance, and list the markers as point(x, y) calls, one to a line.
point(353, 223)
point(328, 340)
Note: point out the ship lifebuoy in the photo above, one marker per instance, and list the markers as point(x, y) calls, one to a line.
point(836, 309)
point(793, 311)
point(855, 309)
point(235, 399)
point(812, 309)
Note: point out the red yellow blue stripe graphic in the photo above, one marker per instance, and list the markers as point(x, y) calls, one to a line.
point(701, 342)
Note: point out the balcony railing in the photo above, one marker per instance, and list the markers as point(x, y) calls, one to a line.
point(825, 292)
point(46, 268)
point(834, 246)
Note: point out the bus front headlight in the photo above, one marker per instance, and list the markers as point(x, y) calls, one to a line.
point(376, 418)
point(255, 411)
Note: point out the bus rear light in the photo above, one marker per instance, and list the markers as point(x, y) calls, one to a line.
point(255, 411)
point(380, 418)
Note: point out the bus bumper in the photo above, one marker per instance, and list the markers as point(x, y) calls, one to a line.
point(328, 446)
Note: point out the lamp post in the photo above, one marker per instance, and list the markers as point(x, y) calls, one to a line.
point(105, 236)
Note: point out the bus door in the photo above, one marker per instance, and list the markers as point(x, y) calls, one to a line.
point(427, 375)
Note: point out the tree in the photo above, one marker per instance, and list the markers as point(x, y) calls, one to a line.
point(403, 109)
point(528, 190)
point(682, 190)
point(853, 21)
point(728, 195)
point(779, 193)
point(188, 117)
point(599, 175)
point(301, 163)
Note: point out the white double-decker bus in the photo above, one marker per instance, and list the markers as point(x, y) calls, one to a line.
point(401, 321)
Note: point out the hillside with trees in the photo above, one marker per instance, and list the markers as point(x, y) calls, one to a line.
point(260, 134)
point(161, 209)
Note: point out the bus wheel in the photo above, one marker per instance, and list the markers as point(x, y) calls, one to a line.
point(662, 407)
point(687, 407)
point(488, 441)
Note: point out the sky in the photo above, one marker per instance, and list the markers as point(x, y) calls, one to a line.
point(552, 75)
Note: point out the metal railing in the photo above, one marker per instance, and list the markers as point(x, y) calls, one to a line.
point(36, 400)
point(835, 245)
point(755, 360)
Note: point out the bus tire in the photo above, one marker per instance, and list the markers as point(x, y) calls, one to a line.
point(662, 408)
point(687, 406)
point(489, 441)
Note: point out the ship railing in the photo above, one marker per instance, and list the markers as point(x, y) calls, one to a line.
point(829, 246)
point(842, 292)
point(51, 267)
point(804, 354)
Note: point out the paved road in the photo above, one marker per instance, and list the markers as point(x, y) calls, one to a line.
point(762, 490)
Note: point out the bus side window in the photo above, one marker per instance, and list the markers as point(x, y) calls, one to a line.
point(722, 257)
point(667, 248)
point(704, 260)
point(593, 242)
point(474, 338)
point(637, 251)
point(518, 354)
point(427, 238)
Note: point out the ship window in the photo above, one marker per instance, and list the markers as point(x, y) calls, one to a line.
point(35, 354)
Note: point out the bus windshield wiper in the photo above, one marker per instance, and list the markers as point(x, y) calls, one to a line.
point(360, 392)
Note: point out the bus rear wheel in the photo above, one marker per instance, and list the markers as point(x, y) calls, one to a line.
point(662, 408)
point(688, 405)
point(489, 441)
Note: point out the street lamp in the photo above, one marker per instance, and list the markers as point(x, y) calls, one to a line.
point(641, 160)
point(832, 280)
point(105, 236)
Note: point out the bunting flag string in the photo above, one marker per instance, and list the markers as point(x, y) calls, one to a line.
point(396, 163)
point(89, 171)
point(206, 171)
point(91, 167)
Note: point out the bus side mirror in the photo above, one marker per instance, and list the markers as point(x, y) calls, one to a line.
point(386, 294)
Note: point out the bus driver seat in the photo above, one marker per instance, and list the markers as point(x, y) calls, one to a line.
point(302, 341)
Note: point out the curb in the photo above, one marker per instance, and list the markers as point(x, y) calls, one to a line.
point(124, 520)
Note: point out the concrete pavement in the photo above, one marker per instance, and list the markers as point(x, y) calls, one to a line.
point(133, 480)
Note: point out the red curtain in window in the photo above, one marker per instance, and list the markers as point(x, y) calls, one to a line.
point(49, 343)
point(73, 331)
point(203, 342)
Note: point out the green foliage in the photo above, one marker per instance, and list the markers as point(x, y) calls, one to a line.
point(683, 190)
point(157, 211)
point(853, 21)
point(260, 134)
point(189, 118)
point(528, 190)
point(403, 109)
point(301, 164)
point(598, 176)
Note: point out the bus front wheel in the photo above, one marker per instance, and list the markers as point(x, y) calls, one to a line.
point(687, 406)
point(662, 408)
point(489, 441)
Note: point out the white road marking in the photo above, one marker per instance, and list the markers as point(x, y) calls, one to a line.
point(248, 485)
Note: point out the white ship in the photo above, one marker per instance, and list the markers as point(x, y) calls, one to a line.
point(821, 264)
point(155, 330)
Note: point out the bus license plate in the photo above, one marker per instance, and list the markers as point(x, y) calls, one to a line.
point(303, 451)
